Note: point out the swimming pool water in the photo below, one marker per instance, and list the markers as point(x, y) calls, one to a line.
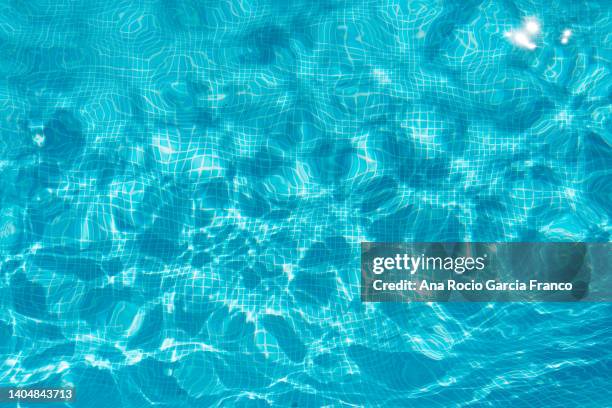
point(184, 186)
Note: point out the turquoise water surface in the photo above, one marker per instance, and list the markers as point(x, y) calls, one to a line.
point(184, 186)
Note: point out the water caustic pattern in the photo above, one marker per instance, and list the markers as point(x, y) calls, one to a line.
point(184, 187)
